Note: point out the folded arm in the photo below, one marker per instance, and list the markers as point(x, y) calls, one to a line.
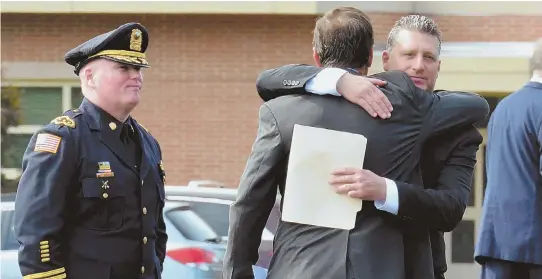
point(48, 166)
point(305, 79)
point(286, 80)
point(441, 206)
point(454, 109)
point(255, 199)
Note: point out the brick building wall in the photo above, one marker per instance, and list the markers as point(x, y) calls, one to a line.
point(199, 98)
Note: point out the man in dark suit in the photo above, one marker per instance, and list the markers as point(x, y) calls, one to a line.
point(90, 199)
point(447, 161)
point(510, 239)
point(374, 248)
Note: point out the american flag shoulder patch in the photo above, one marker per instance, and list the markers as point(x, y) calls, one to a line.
point(47, 143)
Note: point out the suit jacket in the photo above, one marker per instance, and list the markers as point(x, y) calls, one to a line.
point(82, 209)
point(375, 246)
point(447, 164)
point(511, 227)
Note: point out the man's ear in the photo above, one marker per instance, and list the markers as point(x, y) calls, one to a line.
point(88, 74)
point(316, 58)
point(385, 60)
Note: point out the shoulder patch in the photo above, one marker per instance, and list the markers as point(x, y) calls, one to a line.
point(64, 121)
point(46, 142)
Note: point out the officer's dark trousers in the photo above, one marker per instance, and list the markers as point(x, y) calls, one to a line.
point(496, 269)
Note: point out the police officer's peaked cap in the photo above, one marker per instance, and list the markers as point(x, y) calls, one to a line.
point(126, 44)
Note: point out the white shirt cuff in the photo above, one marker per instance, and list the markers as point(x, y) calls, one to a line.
point(391, 204)
point(325, 82)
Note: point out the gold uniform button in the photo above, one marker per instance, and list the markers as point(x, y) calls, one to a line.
point(113, 126)
point(145, 240)
point(142, 269)
point(144, 210)
point(105, 195)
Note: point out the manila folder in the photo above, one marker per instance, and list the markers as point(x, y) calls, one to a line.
point(309, 198)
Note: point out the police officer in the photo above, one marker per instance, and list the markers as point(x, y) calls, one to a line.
point(91, 196)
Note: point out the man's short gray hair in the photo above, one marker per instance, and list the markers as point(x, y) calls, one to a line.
point(422, 24)
point(536, 59)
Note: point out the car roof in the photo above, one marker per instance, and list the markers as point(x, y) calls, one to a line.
point(207, 192)
point(229, 194)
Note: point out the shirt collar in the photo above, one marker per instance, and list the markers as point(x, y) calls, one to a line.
point(536, 78)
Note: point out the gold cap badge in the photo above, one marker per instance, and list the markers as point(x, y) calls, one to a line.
point(136, 40)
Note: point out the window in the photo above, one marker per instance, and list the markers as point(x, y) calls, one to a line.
point(492, 101)
point(215, 214)
point(484, 172)
point(190, 225)
point(463, 242)
point(39, 104)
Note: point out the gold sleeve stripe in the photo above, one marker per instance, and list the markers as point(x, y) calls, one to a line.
point(46, 274)
point(44, 260)
point(44, 242)
point(61, 276)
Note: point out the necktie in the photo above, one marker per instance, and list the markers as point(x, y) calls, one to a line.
point(126, 134)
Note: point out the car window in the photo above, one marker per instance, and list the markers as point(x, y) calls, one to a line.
point(9, 242)
point(190, 225)
point(216, 215)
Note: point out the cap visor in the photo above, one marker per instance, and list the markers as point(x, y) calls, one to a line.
point(128, 60)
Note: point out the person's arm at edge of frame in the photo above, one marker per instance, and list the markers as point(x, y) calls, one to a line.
point(255, 199)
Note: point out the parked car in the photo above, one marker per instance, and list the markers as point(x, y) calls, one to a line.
point(8, 256)
point(213, 205)
point(194, 249)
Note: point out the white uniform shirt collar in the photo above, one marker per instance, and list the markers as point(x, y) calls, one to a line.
point(536, 78)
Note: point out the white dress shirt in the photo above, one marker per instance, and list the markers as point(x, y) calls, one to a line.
point(325, 83)
point(535, 78)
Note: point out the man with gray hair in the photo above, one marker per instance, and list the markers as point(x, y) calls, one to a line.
point(447, 162)
point(510, 239)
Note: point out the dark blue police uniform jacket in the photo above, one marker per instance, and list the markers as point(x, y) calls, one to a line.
point(511, 227)
point(83, 211)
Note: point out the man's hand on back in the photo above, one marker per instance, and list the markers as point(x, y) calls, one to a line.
point(364, 92)
point(359, 183)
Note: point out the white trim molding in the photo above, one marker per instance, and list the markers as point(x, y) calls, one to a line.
point(23, 129)
point(11, 173)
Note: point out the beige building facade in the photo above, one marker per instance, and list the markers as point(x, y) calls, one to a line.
point(200, 99)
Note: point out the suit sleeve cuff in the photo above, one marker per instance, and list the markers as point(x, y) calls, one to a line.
point(391, 203)
point(325, 82)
